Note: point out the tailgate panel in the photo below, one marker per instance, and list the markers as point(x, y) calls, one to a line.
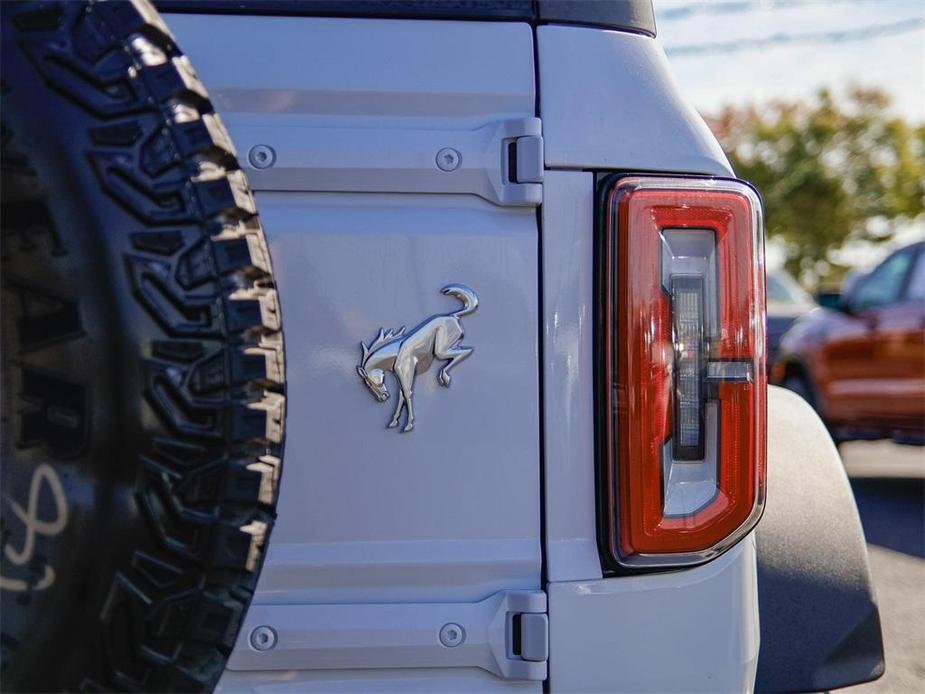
point(365, 229)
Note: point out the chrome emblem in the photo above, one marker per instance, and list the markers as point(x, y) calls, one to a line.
point(409, 354)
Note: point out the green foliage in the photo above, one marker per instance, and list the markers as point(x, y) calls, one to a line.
point(828, 172)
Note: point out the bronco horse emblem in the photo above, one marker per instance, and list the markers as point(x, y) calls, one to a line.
point(409, 354)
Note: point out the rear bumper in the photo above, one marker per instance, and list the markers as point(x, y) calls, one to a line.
point(694, 630)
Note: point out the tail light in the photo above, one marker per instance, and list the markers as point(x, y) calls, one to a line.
point(683, 366)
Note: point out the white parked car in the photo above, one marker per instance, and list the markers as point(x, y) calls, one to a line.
point(501, 221)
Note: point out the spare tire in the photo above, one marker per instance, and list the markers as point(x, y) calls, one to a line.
point(142, 360)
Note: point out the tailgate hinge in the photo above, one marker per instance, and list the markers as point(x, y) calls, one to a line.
point(522, 153)
point(506, 634)
point(527, 635)
point(531, 636)
point(500, 161)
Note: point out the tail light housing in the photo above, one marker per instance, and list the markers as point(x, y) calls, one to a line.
point(683, 381)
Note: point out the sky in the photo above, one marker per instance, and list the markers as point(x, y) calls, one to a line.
point(752, 51)
point(732, 51)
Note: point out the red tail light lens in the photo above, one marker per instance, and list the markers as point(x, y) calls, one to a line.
point(684, 384)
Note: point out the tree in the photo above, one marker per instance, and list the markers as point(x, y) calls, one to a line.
point(828, 172)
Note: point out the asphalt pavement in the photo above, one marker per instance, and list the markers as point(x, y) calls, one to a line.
point(889, 486)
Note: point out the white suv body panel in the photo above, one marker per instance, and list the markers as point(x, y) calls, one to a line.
point(381, 531)
point(685, 631)
point(449, 511)
point(609, 101)
point(692, 630)
point(568, 376)
point(412, 524)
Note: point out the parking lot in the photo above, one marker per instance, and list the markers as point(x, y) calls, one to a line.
point(889, 487)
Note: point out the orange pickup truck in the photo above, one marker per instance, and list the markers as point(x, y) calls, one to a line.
point(861, 364)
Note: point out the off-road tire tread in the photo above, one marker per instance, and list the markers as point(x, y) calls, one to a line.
point(199, 267)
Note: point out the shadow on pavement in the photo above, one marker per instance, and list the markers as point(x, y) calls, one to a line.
point(892, 512)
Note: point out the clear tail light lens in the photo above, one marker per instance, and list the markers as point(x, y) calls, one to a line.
point(683, 366)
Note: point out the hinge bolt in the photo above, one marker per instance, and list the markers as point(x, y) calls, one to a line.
point(261, 156)
point(263, 638)
point(452, 635)
point(448, 159)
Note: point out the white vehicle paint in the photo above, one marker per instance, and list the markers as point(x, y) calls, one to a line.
point(685, 631)
point(383, 539)
point(613, 634)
